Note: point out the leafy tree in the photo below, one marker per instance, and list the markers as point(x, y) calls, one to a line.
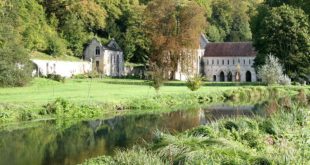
point(229, 20)
point(136, 45)
point(173, 29)
point(284, 32)
point(15, 68)
point(303, 4)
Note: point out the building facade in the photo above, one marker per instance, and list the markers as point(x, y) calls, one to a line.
point(107, 60)
point(229, 61)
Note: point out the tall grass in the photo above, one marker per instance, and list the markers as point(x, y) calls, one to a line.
point(279, 137)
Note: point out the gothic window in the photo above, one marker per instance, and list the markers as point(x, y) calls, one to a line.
point(227, 62)
point(212, 62)
point(249, 62)
point(218, 62)
point(223, 62)
point(243, 61)
point(238, 60)
point(97, 51)
point(233, 61)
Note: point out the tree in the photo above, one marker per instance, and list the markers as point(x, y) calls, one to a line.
point(303, 4)
point(173, 29)
point(284, 32)
point(15, 67)
point(272, 72)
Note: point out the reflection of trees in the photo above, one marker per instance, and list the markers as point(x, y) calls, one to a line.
point(25, 146)
point(48, 144)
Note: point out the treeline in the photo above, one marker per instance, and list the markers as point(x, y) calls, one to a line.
point(64, 27)
point(59, 27)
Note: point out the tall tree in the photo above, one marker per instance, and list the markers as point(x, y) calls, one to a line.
point(303, 4)
point(173, 28)
point(284, 32)
point(15, 68)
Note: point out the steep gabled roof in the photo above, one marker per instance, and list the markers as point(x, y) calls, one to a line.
point(112, 45)
point(203, 41)
point(229, 49)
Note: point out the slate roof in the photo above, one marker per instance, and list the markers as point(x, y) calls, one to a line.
point(230, 49)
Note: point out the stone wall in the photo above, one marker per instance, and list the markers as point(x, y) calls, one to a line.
point(63, 68)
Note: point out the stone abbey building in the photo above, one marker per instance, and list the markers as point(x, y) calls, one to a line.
point(229, 61)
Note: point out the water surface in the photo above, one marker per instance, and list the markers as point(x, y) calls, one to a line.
point(59, 142)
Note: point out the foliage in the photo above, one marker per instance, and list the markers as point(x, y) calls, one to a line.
point(284, 32)
point(15, 67)
point(56, 77)
point(272, 72)
point(173, 29)
point(305, 5)
point(259, 140)
point(134, 95)
point(194, 83)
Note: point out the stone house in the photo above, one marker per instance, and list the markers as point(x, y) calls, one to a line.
point(107, 60)
point(230, 61)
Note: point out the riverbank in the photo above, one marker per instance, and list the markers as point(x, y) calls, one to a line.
point(280, 135)
point(83, 99)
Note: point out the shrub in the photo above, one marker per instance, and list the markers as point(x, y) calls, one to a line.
point(230, 125)
point(251, 138)
point(260, 161)
point(194, 83)
point(268, 127)
point(56, 77)
point(285, 80)
point(202, 131)
point(58, 107)
point(272, 71)
point(80, 76)
point(157, 80)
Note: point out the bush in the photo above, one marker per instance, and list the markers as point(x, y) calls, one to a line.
point(251, 138)
point(231, 125)
point(202, 131)
point(194, 83)
point(272, 72)
point(285, 80)
point(56, 77)
point(268, 127)
point(260, 161)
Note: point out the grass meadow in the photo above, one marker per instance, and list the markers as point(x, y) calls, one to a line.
point(41, 90)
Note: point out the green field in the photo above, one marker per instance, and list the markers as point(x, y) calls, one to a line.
point(41, 90)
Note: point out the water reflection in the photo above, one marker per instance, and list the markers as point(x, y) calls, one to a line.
point(47, 144)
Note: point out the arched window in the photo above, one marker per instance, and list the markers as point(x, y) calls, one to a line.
point(223, 62)
point(212, 62)
point(249, 61)
point(218, 62)
point(227, 62)
point(207, 62)
point(97, 51)
point(233, 61)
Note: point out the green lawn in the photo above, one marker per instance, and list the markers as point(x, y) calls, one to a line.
point(102, 90)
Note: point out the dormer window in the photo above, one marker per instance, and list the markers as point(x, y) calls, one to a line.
point(97, 51)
